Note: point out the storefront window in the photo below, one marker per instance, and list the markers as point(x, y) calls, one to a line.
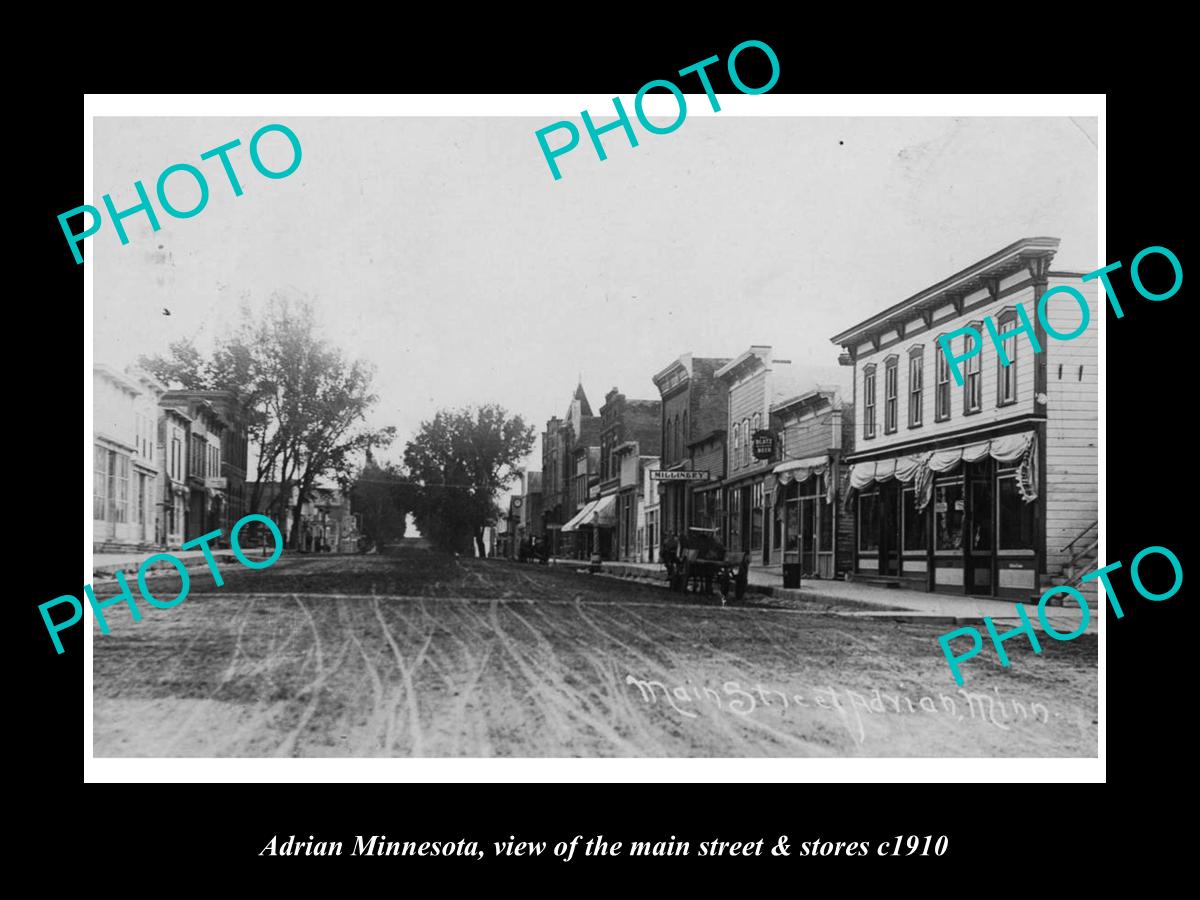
point(868, 522)
point(981, 516)
point(735, 519)
point(948, 515)
point(99, 481)
point(756, 518)
point(1016, 516)
point(916, 523)
point(793, 522)
point(825, 518)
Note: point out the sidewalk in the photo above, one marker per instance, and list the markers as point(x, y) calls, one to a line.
point(888, 603)
point(104, 565)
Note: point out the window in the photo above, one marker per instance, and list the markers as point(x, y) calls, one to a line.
point(99, 482)
point(868, 522)
point(869, 401)
point(1006, 376)
point(746, 456)
point(916, 523)
point(737, 445)
point(1015, 515)
point(916, 385)
point(735, 518)
point(973, 377)
point(890, 378)
point(948, 515)
point(684, 436)
point(941, 404)
point(121, 501)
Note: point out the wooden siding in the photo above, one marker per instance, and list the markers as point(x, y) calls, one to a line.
point(990, 413)
point(1072, 427)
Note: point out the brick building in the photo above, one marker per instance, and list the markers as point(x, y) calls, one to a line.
point(630, 431)
point(694, 404)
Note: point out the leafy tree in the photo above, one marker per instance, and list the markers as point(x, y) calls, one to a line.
point(381, 496)
point(306, 402)
point(459, 461)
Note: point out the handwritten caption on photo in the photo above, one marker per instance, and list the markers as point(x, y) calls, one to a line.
point(98, 606)
point(1026, 627)
point(741, 702)
point(145, 206)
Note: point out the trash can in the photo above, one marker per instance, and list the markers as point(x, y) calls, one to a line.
point(791, 575)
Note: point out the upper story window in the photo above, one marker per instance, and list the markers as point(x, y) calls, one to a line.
point(746, 457)
point(890, 393)
point(869, 401)
point(737, 446)
point(1006, 376)
point(941, 395)
point(972, 374)
point(916, 385)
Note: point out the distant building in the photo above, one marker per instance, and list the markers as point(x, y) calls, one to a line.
point(174, 438)
point(207, 487)
point(694, 404)
point(629, 430)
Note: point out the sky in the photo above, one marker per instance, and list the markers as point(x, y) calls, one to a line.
point(443, 251)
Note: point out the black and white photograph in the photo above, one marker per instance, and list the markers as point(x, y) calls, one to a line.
point(766, 437)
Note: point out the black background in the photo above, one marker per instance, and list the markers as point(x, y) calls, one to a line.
point(1026, 835)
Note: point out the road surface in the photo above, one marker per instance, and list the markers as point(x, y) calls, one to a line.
point(422, 654)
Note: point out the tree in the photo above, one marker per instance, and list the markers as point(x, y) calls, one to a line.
point(381, 495)
point(306, 402)
point(458, 462)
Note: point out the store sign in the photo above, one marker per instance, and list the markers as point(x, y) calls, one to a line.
point(764, 444)
point(216, 484)
point(677, 475)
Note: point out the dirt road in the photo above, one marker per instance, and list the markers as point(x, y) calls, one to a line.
point(424, 655)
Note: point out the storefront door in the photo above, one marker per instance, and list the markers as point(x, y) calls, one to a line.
point(979, 531)
point(808, 536)
point(889, 537)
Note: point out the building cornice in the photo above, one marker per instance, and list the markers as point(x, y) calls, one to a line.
point(1033, 254)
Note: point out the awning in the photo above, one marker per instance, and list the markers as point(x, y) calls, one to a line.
point(580, 517)
point(920, 468)
point(605, 513)
point(800, 469)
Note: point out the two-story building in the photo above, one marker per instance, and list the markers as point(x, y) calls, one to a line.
point(206, 485)
point(988, 488)
point(124, 459)
point(694, 404)
point(707, 455)
point(630, 431)
point(809, 525)
point(235, 444)
point(649, 535)
point(174, 437)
